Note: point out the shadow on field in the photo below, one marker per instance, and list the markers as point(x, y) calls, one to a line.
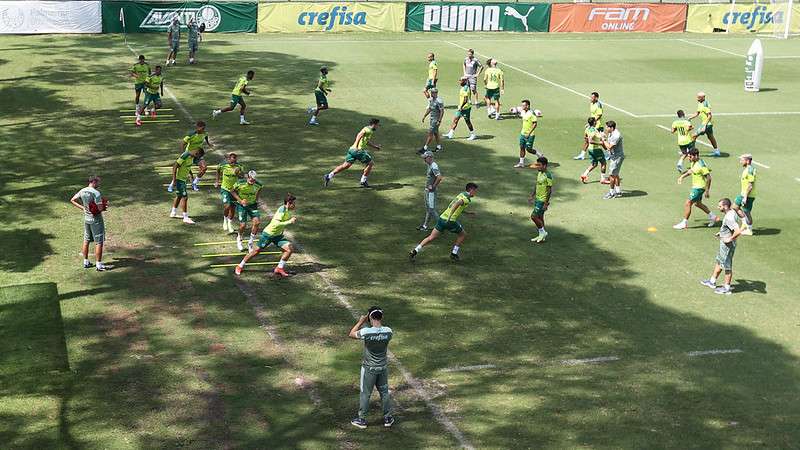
point(175, 357)
point(25, 249)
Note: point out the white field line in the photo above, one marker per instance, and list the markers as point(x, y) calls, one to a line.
point(750, 113)
point(552, 83)
point(712, 48)
point(784, 57)
point(710, 146)
point(597, 360)
point(469, 368)
point(437, 412)
point(713, 352)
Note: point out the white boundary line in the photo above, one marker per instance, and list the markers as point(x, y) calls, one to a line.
point(712, 48)
point(751, 113)
point(468, 368)
point(709, 146)
point(599, 359)
point(552, 83)
point(713, 352)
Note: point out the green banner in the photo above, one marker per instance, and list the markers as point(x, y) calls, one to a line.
point(144, 17)
point(524, 17)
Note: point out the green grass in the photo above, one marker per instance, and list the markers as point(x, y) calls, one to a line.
point(165, 351)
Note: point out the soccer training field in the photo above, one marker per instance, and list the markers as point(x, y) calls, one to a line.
point(600, 337)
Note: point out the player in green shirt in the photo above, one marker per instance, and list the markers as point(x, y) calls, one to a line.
point(180, 172)
point(321, 92)
point(228, 173)
point(527, 136)
point(540, 197)
point(246, 195)
point(433, 75)
point(743, 205)
point(593, 140)
point(706, 122)
point(154, 89)
point(701, 185)
point(448, 221)
point(194, 38)
point(193, 143)
point(495, 82)
point(596, 111)
point(139, 71)
point(173, 40)
point(686, 138)
point(464, 109)
point(358, 152)
point(236, 98)
point(273, 234)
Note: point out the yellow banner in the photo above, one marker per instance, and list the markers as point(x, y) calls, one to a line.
point(347, 16)
point(740, 18)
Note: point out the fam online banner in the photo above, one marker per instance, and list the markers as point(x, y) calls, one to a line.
point(607, 17)
point(347, 16)
point(741, 18)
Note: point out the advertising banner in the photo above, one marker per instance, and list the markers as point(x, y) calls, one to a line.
point(32, 17)
point(606, 17)
point(525, 17)
point(143, 17)
point(740, 18)
point(346, 16)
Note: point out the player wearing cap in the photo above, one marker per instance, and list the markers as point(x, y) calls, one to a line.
point(236, 98)
point(358, 152)
point(228, 173)
point(540, 197)
point(448, 220)
point(743, 205)
point(246, 195)
point(433, 75)
point(321, 94)
point(436, 110)
point(472, 68)
point(139, 71)
point(701, 185)
point(463, 110)
point(729, 231)
point(92, 204)
point(273, 234)
point(374, 366)
point(596, 111)
point(433, 179)
point(706, 122)
point(528, 133)
point(686, 138)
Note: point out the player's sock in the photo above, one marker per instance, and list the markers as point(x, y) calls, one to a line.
point(281, 263)
point(173, 211)
point(727, 287)
point(713, 280)
point(711, 216)
point(456, 248)
point(425, 147)
point(611, 191)
point(241, 118)
point(185, 215)
point(363, 178)
point(617, 189)
point(522, 160)
point(438, 146)
point(331, 175)
point(241, 264)
point(99, 265)
point(418, 248)
point(86, 262)
point(252, 237)
point(541, 231)
point(585, 173)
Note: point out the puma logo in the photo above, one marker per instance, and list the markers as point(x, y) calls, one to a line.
point(515, 14)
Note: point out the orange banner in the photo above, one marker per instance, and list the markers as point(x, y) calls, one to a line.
point(618, 17)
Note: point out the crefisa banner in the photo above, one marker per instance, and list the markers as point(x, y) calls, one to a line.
point(335, 16)
point(143, 17)
point(523, 17)
point(607, 17)
point(741, 18)
point(32, 17)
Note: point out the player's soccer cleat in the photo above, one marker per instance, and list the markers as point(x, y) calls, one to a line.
point(280, 273)
point(716, 153)
point(87, 265)
point(195, 187)
point(138, 122)
point(722, 290)
point(584, 179)
point(747, 231)
point(327, 179)
point(709, 284)
point(712, 221)
point(388, 421)
point(454, 257)
point(438, 148)
point(215, 113)
point(244, 122)
point(579, 157)
point(188, 220)
point(540, 238)
point(422, 228)
point(682, 225)
point(170, 188)
point(413, 255)
point(618, 194)
point(680, 168)
point(519, 165)
point(609, 195)
point(101, 268)
point(364, 184)
point(497, 116)
point(449, 134)
point(359, 423)
point(472, 137)
point(173, 214)
point(237, 270)
point(313, 122)
point(422, 150)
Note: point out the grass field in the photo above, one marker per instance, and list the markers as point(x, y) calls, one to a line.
point(585, 341)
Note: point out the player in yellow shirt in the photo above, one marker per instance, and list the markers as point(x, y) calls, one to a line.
point(463, 110)
point(358, 152)
point(706, 122)
point(530, 120)
point(433, 75)
point(686, 138)
point(596, 111)
point(495, 83)
point(743, 205)
point(593, 140)
point(540, 197)
point(701, 187)
point(229, 172)
point(273, 234)
point(236, 98)
point(139, 72)
point(448, 221)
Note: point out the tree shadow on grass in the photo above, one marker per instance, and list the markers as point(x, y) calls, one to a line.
point(25, 249)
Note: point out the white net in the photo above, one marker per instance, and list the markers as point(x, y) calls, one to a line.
point(782, 18)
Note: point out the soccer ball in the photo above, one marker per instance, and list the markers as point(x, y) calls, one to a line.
point(537, 113)
point(513, 110)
